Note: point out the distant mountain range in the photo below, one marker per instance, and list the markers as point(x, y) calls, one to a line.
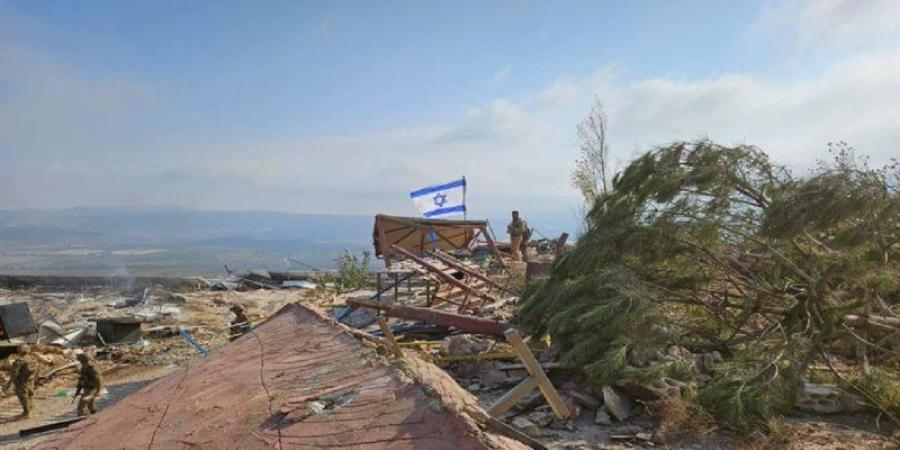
point(170, 242)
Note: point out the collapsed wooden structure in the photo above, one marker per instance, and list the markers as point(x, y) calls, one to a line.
point(299, 380)
point(418, 235)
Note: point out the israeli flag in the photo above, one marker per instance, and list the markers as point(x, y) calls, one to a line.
point(442, 199)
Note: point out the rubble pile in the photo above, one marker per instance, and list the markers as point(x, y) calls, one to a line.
point(453, 307)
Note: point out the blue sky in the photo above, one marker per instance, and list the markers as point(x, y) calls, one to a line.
point(344, 107)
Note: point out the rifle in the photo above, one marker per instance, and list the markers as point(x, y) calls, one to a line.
point(77, 393)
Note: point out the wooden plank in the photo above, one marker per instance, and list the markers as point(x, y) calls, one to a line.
point(493, 247)
point(472, 324)
point(509, 399)
point(448, 278)
point(534, 369)
point(458, 265)
point(389, 337)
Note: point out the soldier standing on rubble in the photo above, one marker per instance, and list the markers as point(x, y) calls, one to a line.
point(24, 373)
point(519, 234)
point(89, 384)
point(240, 325)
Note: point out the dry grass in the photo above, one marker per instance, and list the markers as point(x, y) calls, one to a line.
point(680, 419)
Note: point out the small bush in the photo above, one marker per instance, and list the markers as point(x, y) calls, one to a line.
point(353, 272)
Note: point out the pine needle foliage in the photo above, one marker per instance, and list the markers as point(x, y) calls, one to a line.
point(711, 247)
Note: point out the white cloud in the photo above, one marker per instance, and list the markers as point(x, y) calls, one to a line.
point(835, 23)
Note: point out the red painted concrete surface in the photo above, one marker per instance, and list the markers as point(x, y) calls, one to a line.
point(297, 381)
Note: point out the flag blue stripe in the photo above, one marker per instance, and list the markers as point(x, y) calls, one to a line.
point(440, 187)
point(441, 211)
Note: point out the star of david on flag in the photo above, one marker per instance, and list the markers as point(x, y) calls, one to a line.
point(441, 199)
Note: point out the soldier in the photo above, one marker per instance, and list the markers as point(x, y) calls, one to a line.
point(519, 234)
point(24, 373)
point(89, 384)
point(240, 325)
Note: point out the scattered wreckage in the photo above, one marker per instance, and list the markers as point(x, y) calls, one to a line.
point(364, 374)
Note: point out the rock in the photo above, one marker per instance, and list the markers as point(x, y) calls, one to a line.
point(678, 352)
point(659, 389)
point(474, 387)
point(542, 418)
point(619, 406)
point(710, 360)
point(572, 404)
point(583, 398)
point(644, 436)
point(526, 426)
point(602, 417)
point(628, 429)
point(464, 344)
point(531, 401)
point(826, 399)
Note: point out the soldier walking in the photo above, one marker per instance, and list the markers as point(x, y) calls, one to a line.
point(240, 325)
point(89, 384)
point(24, 374)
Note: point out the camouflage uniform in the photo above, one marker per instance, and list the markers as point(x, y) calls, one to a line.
point(519, 233)
point(240, 325)
point(24, 374)
point(89, 384)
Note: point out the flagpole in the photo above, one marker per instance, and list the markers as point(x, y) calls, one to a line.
point(465, 205)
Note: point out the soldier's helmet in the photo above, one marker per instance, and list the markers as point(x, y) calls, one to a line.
point(83, 357)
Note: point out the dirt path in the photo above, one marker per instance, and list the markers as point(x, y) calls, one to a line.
point(50, 408)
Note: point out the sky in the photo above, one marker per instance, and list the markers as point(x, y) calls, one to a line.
point(345, 107)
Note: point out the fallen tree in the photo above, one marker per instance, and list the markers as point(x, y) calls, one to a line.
point(712, 248)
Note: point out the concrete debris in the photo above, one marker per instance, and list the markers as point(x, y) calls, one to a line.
point(465, 344)
point(601, 417)
point(581, 396)
point(619, 406)
point(542, 417)
point(649, 392)
point(526, 426)
point(827, 399)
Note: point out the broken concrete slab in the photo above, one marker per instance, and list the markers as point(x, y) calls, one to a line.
point(618, 405)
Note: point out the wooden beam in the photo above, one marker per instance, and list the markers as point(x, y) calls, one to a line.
point(509, 399)
point(448, 278)
point(458, 265)
point(390, 341)
point(472, 324)
point(534, 369)
point(493, 246)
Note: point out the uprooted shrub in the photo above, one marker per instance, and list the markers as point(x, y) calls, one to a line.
point(709, 247)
